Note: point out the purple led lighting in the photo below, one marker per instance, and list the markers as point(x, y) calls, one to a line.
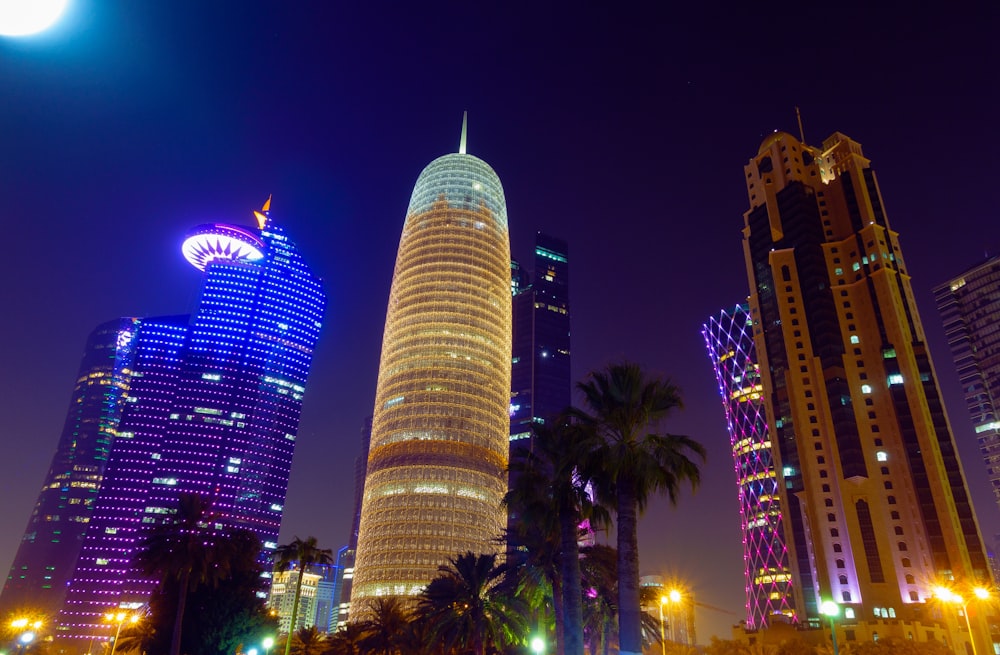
point(207, 243)
point(214, 407)
point(769, 584)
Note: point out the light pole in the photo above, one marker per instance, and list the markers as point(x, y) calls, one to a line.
point(675, 599)
point(537, 645)
point(267, 643)
point(120, 618)
point(950, 596)
point(663, 639)
point(831, 609)
point(28, 635)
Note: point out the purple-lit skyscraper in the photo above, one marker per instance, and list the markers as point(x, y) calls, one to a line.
point(769, 586)
point(213, 409)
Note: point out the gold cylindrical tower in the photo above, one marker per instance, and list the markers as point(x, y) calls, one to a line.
point(436, 468)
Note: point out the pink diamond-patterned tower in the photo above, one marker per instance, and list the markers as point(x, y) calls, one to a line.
point(769, 586)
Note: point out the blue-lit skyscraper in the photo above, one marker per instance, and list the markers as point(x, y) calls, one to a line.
point(213, 409)
point(52, 540)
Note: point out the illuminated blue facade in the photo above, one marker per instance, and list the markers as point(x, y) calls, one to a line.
point(214, 409)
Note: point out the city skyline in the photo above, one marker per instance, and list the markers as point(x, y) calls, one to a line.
point(621, 130)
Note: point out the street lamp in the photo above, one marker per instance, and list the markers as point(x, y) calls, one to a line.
point(267, 643)
point(537, 645)
point(950, 596)
point(120, 619)
point(29, 629)
point(675, 598)
point(663, 639)
point(831, 609)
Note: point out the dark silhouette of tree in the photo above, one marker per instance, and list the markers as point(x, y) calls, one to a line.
point(346, 641)
point(599, 569)
point(220, 616)
point(550, 493)
point(467, 609)
point(180, 553)
point(309, 641)
point(385, 622)
point(304, 554)
point(623, 407)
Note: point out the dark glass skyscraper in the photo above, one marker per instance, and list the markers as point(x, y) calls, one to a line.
point(55, 531)
point(970, 308)
point(770, 594)
point(213, 409)
point(877, 504)
point(540, 358)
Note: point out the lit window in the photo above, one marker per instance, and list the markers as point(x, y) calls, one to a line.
point(882, 456)
point(895, 378)
point(855, 339)
point(866, 388)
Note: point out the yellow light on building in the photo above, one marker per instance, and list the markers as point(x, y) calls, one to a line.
point(436, 467)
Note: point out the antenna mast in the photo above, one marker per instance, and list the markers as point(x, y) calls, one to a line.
point(461, 143)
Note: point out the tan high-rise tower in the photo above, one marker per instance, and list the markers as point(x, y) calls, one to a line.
point(878, 510)
point(437, 465)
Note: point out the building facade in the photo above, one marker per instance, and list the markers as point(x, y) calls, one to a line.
point(213, 409)
point(770, 595)
point(878, 512)
point(540, 358)
point(437, 463)
point(51, 543)
point(969, 305)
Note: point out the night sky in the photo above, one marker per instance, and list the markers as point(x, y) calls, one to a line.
point(621, 129)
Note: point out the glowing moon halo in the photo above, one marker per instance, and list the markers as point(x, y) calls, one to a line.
point(24, 17)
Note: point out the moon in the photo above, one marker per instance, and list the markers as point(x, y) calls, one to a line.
point(24, 17)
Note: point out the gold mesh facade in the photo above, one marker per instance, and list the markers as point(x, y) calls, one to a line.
point(436, 468)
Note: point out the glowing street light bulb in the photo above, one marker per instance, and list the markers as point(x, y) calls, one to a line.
point(537, 645)
point(981, 593)
point(675, 596)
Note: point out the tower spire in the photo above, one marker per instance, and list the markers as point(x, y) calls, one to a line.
point(465, 122)
point(802, 133)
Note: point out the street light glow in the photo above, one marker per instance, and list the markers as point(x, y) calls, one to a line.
point(25, 17)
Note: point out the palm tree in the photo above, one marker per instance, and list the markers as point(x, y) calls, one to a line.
point(466, 608)
point(384, 621)
point(346, 640)
point(631, 464)
point(304, 553)
point(180, 551)
point(309, 641)
point(549, 489)
point(599, 568)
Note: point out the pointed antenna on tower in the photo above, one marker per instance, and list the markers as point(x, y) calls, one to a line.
point(802, 133)
point(261, 215)
point(465, 122)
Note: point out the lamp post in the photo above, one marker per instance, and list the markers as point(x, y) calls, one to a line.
point(832, 610)
point(28, 628)
point(675, 598)
point(120, 619)
point(950, 596)
point(267, 643)
point(663, 639)
point(537, 645)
